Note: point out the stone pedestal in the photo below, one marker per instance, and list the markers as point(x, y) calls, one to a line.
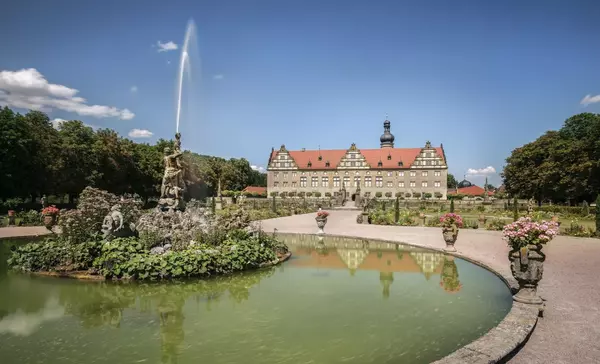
point(527, 266)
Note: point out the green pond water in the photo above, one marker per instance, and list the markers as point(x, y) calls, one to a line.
point(335, 301)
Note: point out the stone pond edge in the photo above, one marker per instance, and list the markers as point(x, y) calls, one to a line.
point(502, 341)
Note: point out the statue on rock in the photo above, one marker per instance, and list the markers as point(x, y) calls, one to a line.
point(173, 186)
point(113, 225)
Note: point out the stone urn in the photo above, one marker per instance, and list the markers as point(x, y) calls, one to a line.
point(321, 221)
point(422, 217)
point(11, 217)
point(49, 221)
point(482, 219)
point(450, 234)
point(527, 266)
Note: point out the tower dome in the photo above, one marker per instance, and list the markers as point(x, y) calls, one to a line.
point(464, 183)
point(387, 138)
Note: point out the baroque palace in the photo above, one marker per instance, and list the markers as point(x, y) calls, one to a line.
point(412, 172)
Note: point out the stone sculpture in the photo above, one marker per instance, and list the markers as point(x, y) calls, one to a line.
point(530, 205)
point(113, 225)
point(173, 186)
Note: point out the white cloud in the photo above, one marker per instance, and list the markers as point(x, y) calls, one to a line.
point(259, 168)
point(481, 171)
point(133, 89)
point(57, 122)
point(589, 99)
point(140, 133)
point(165, 47)
point(28, 89)
point(218, 77)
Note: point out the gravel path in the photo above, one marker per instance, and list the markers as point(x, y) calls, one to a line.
point(570, 329)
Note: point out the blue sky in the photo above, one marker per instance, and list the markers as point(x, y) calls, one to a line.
point(481, 77)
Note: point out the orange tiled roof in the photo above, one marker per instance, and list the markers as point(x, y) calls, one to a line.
point(255, 189)
point(372, 156)
point(471, 191)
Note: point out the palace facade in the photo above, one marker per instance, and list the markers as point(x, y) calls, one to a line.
point(389, 170)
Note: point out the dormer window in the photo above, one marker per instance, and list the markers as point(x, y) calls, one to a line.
point(327, 164)
point(400, 164)
point(320, 158)
point(309, 164)
point(380, 164)
point(389, 157)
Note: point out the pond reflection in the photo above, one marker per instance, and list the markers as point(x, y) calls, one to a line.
point(335, 301)
point(333, 252)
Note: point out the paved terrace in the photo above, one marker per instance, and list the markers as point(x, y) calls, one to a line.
point(570, 329)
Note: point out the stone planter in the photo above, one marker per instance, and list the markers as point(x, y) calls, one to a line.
point(321, 221)
point(49, 221)
point(482, 220)
point(527, 266)
point(450, 234)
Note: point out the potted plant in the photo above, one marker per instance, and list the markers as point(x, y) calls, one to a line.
point(450, 223)
point(11, 217)
point(525, 237)
point(321, 220)
point(449, 276)
point(50, 213)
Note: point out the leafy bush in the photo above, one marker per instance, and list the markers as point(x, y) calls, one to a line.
point(274, 194)
point(126, 258)
point(309, 194)
point(283, 194)
point(481, 208)
point(292, 194)
point(378, 194)
point(54, 255)
point(327, 194)
point(317, 194)
point(438, 195)
point(407, 195)
point(398, 194)
point(30, 218)
point(585, 209)
point(427, 195)
point(388, 194)
point(301, 194)
point(417, 194)
point(495, 224)
point(576, 229)
point(471, 224)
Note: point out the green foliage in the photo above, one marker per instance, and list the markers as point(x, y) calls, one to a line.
point(579, 230)
point(309, 194)
point(451, 181)
point(416, 194)
point(274, 205)
point(397, 210)
point(327, 194)
point(560, 165)
point(585, 208)
point(480, 208)
point(427, 195)
point(127, 258)
point(30, 218)
point(470, 224)
point(515, 209)
point(407, 195)
point(495, 224)
point(54, 255)
point(452, 205)
point(438, 195)
point(301, 194)
point(378, 194)
point(317, 194)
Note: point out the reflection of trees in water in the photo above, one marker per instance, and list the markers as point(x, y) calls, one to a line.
point(449, 278)
point(386, 279)
point(24, 293)
point(99, 304)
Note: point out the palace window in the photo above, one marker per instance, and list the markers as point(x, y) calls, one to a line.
point(413, 184)
point(302, 181)
point(400, 184)
point(294, 184)
point(276, 174)
point(286, 164)
point(352, 164)
point(379, 181)
point(424, 184)
point(413, 173)
point(390, 174)
point(314, 182)
point(325, 182)
point(437, 173)
point(346, 181)
point(437, 184)
point(284, 184)
point(368, 181)
point(390, 184)
point(352, 156)
point(275, 184)
point(285, 175)
point(294, 174)
point(356, 181)
point(424, 174)
point(336, 181)
point(401, 174)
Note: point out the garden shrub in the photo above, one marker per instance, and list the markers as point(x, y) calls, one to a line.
point(427, 195)
point(378, 194)
point(124, 258)
point(30, 218)
point(54, 255)
point(407, 195)
point(495, 224)
point(388, 194)
point(576, 229)
point(598, 215)
point(585, 208)
point(327, 194)
point(317, 194)
point(309, 194)
point(417, 194)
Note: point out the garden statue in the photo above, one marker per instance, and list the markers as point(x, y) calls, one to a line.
point(530, 205)
point(44, 201)
point(171, 192)
point(113, 225)
point(321, 221)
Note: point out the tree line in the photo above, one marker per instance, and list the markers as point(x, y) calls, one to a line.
point(37, 158)
point(561, 166)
